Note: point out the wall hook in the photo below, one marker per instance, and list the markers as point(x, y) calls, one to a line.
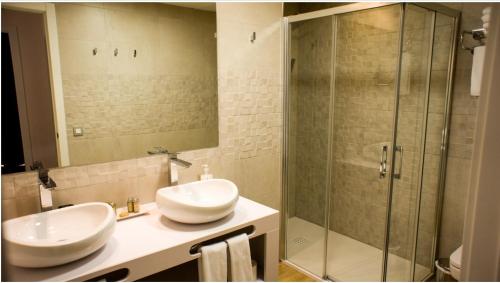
point(94, 51)
point(253, 36)
point(116, 52)
point(135, 53)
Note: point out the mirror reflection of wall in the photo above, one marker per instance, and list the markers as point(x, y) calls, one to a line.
point(135, 77)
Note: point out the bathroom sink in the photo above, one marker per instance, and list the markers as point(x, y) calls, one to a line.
point(198, 202)
point(58, 236)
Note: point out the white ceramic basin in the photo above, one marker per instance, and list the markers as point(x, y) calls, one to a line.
point(198, 202)
point(58, 236)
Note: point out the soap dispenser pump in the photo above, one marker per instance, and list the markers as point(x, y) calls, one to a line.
point(206, 175)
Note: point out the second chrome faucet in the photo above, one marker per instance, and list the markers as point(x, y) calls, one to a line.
point(173, 162)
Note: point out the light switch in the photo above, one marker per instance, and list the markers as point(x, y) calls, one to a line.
point(77, 132)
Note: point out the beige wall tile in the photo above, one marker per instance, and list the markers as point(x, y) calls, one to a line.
point(81, 22)
point(77, 57)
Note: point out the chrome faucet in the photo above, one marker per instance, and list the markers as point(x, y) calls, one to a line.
point(173, 161)
point(46, 186)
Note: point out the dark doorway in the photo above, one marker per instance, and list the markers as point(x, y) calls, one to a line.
point(26, 84)
point(12, 143)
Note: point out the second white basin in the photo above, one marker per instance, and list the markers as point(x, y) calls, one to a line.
point(58, 236)
point(198, 202)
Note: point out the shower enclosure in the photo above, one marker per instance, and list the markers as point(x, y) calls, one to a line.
point(366, 114)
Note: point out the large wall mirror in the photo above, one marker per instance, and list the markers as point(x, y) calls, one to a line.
point(135, 77)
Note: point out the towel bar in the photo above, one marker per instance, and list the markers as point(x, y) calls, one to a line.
point(195, 249)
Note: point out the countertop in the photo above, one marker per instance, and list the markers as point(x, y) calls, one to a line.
point(138, 242)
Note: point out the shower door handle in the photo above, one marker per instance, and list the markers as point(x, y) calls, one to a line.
point(397, 175)
point(383, 162)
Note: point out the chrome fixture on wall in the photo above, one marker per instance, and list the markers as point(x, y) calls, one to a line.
point(477, 34)
point(46, 186)
point(173, 161)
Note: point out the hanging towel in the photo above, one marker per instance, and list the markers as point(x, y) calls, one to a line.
point(486, 19)
point(477, 70)
point(239, 257)
point(212, 265)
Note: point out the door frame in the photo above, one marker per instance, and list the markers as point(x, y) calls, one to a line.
point(48, 12)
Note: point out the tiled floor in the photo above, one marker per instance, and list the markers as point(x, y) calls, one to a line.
point(348, 259)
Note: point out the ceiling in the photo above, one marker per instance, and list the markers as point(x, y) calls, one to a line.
point(205, 6)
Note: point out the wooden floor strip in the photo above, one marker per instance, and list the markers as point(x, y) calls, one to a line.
point(290, 274)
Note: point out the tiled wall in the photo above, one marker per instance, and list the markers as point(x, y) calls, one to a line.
point(366, 56)
point(365, 61)
point(165, 96)
point(114, 181)
point(249, 86)
point(250, 102)
point(308, 125)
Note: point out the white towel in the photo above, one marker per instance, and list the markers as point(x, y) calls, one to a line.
point(477, 70)
point(239, 258)
point(212, 265)
point(486, 19)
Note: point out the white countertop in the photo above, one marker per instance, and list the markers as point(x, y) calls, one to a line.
point(146, 236)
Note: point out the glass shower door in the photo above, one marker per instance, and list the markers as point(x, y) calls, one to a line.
point(434, 154)
point(365, 67)
point(425, 61)
point(307, 118)
point(415, 61)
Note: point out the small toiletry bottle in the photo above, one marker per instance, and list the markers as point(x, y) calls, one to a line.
point(130, 204)
point(205, 175)
point(137, 206)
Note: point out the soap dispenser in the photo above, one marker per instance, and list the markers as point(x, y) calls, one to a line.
point(206, 175)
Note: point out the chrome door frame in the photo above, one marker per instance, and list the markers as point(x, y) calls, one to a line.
point(423, 144)
point(445, 134)
point(385, 251)
point(285, 37)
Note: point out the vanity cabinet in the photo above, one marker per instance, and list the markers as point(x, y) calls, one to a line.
point(154, 248)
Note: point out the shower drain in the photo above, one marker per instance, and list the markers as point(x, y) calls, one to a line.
point(300, 241)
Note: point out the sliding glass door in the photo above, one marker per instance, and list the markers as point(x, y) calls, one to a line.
point(307, 120)
point(365, 71)
point(417, 178)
